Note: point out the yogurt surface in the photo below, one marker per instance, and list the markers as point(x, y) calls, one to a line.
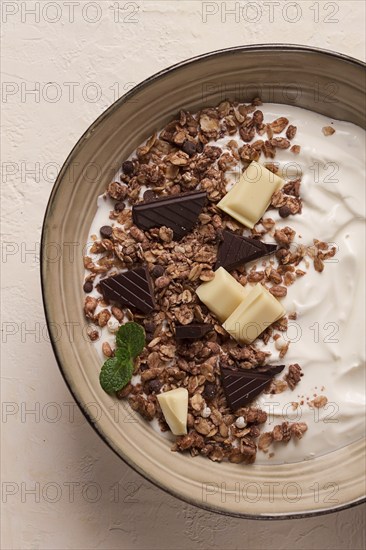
point(327, 337)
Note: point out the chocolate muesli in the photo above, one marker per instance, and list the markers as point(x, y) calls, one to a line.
point(202, 259)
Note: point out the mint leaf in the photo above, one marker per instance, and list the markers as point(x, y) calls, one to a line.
point(116, 371)
point(131, 337)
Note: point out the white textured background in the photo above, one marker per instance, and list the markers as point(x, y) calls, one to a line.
point(61, 486)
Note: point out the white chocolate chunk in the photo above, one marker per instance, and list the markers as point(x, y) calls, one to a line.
point(257, 311)
point(222, 295)
point(174, 404)
point(249, 198)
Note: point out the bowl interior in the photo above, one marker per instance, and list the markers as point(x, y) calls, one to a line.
point(323, 82)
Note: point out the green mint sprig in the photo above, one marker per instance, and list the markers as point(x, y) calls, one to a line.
point(117, 371)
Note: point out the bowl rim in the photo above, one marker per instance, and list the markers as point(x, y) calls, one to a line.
point(281, 47)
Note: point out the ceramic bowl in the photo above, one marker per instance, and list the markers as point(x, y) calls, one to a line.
point(321, 81)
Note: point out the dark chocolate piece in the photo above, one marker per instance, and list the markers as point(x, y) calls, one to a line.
point(235, 250)
point(106, 232)
point(128, 167)
point(149, 195)
point(88, 287)
point(270, 369)
point(244, 385)
point(131, 288)
point(154, 386)
point(195, 330)
point(209, 391)
point(179, 212)
point(284, 211)
point(189, 147)
point(119, 206)
point(157, 271)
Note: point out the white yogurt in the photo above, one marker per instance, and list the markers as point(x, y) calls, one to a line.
point(327, 338)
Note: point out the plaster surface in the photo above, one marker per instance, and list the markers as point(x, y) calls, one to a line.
point(63, 63)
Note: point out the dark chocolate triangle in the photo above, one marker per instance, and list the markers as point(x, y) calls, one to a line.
point(265, 247)
point(235, 250)
point(179, 212)
point(243, 386)
point(270, 369)
point(192, 331)
point(131, 288)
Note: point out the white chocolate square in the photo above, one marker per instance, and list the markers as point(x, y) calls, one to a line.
point(222, 295)
point(174, 404)
point(250, 197)
point(255, 313)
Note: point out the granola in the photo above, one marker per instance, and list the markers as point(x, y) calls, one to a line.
point(182, 158)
